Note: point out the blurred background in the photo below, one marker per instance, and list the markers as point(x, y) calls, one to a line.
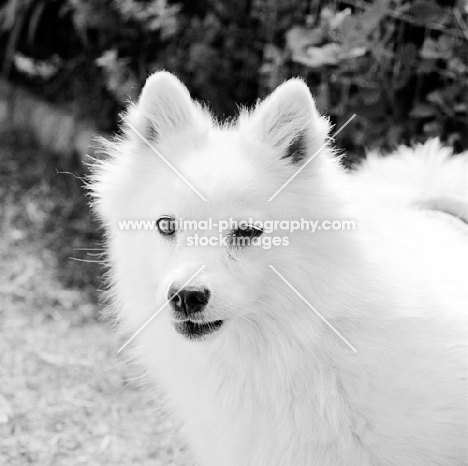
point(67, 68)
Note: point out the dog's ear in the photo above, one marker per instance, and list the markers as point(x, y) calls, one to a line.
point(165, 107)
point(289, 121)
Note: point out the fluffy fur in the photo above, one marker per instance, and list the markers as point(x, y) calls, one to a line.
point(275, 386)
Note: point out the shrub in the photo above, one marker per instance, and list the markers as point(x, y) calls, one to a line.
point(400, 65)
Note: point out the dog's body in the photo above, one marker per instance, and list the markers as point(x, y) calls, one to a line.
point(271, 384)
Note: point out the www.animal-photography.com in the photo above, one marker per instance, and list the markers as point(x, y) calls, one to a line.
point(234, 233)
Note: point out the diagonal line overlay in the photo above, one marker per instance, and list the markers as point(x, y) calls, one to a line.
point(169, 164)
point(310, 160)
point(313, 308)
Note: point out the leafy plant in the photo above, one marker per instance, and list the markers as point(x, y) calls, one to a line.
point(400, 65)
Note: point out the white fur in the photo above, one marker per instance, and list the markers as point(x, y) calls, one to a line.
point(275, 386)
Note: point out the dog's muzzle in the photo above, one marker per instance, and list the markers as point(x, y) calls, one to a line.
point(187, 308)
point(187, 301)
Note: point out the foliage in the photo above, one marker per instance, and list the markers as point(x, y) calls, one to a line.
point(85, 40)
point(43, 209)
point(400, 65)
point(103, 50)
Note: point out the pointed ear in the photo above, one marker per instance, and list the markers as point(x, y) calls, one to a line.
point(165, 107)
point(288, 121)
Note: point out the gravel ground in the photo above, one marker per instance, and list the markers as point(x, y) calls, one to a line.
point(66, 397)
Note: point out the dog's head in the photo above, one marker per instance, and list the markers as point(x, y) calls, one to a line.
point(210, 195)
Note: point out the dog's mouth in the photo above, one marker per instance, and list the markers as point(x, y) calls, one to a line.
point(197, 330)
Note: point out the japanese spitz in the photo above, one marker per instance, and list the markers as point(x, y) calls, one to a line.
point(341, 347)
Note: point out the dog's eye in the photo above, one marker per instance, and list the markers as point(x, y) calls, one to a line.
point(166, 226)
point(248, 231)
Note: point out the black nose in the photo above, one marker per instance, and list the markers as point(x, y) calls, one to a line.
point(188, 300)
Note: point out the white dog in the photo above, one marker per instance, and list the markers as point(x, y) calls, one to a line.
point(345, 347)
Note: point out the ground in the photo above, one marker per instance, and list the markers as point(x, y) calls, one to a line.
point(66, 396)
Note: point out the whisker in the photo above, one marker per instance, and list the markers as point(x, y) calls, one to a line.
point(85, 260)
